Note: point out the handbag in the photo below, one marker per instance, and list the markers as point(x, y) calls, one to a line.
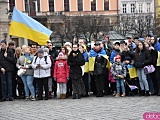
point(149, 69)
point(20, 72)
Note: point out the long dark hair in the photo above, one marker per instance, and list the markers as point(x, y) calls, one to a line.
point(137, 48)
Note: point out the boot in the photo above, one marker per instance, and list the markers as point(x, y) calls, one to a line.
point(147, 93)
point(63, 96)
point(117, 95)
point(79, 96)
point(142, 93)
point(74, 96)
point(158, 94)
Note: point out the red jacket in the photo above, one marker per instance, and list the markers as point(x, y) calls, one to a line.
point(61, 71)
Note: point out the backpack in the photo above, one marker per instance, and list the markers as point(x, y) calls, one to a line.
point(45, 58)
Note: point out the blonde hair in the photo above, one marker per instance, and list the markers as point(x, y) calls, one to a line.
point(18, 49)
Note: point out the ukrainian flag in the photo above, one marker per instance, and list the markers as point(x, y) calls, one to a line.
point(24, 26)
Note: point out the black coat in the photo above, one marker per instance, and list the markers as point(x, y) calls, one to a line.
point(75, 64)
point(142, 58)
point(125, 54)
point(99, 65)
point(7, 62)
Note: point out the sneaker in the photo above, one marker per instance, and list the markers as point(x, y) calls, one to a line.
point(33, 98)
point(123, 95)
point(27, 98)
point(117, 95)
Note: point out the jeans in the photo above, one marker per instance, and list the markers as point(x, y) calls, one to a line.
point(28, 84)
point(6, 85)
point(150, 83)
point(62, 88)
point(143, 80)
point(120, 83)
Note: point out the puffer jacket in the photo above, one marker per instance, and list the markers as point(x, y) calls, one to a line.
point(142, 59)
point(43, 72)
point(118, 69)
point(61, 71)
point(22, 62)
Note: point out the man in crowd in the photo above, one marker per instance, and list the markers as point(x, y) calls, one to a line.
point(7, 62)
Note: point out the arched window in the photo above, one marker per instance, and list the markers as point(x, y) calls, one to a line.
point(80, 5)
point(51, 5)
point(106, 4)
point(66, 5)
point(93, 5)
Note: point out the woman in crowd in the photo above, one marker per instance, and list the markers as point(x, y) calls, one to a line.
point(25, 62)
point(142, 59)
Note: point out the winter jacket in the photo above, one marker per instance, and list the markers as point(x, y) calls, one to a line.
point(118, 69)
point(99, 65)
point(7, 62)
point(22, 62)
point(92, 56)
point(61, 71)
point(75, 64)
point(45, 70)
point(113, 54)
point(125, 54)
point(142, 58)
point(157, 46)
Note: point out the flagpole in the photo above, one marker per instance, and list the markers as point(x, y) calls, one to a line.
point(28, 8)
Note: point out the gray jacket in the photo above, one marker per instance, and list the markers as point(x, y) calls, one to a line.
point(118, 69)
point(21, 62)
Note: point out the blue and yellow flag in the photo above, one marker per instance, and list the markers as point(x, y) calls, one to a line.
point(26, 27)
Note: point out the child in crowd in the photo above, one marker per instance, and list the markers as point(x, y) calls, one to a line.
point(61, 74)
point(118, 71)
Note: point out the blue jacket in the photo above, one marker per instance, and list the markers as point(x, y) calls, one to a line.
point(85, 55)
point(93, 53)
point(157, 46)
point(113, 54)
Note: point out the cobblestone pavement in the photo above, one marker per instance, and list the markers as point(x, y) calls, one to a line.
point(91, 108)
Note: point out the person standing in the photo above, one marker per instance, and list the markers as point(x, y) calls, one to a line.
point(41, 66)
point(142, 59)
point(25, 62)
point(7, 62)
point(61, 74)
point(75, 61)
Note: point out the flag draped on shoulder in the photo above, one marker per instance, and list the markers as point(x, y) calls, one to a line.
point(26, 27)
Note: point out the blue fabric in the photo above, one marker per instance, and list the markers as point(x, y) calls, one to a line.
point(23, 18)
point(28, 57)
point(133, 45)
point(157, 46)
point(6, 85)
point(85, 55)
point(113, 54)
point(28, 84)
point(120, 84)
point(129, 66)
point(94, 53)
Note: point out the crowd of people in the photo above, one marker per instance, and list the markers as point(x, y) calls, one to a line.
point(123, 68)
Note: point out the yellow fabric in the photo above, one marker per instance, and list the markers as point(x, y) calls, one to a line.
point(86, 67)
point(91, 63)
point(158, 59)
point(21, 30)
point(133, 72)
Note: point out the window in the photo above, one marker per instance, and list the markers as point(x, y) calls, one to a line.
point(93, 5)
point(124, 6)
point(140, 7)
point(11, 5)
point(80, 5)
point(66, 5)
point(148, 7)
point(38, 6)
point(30, 7)
point(51, 5)
point(106, 4)
point(132, 8)
point(148, 22)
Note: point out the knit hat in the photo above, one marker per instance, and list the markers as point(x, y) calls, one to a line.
point(61, 54)
point(40, 50)
point(4, 41)
point(117, 57)
point(128, 58)
point(46, 50)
